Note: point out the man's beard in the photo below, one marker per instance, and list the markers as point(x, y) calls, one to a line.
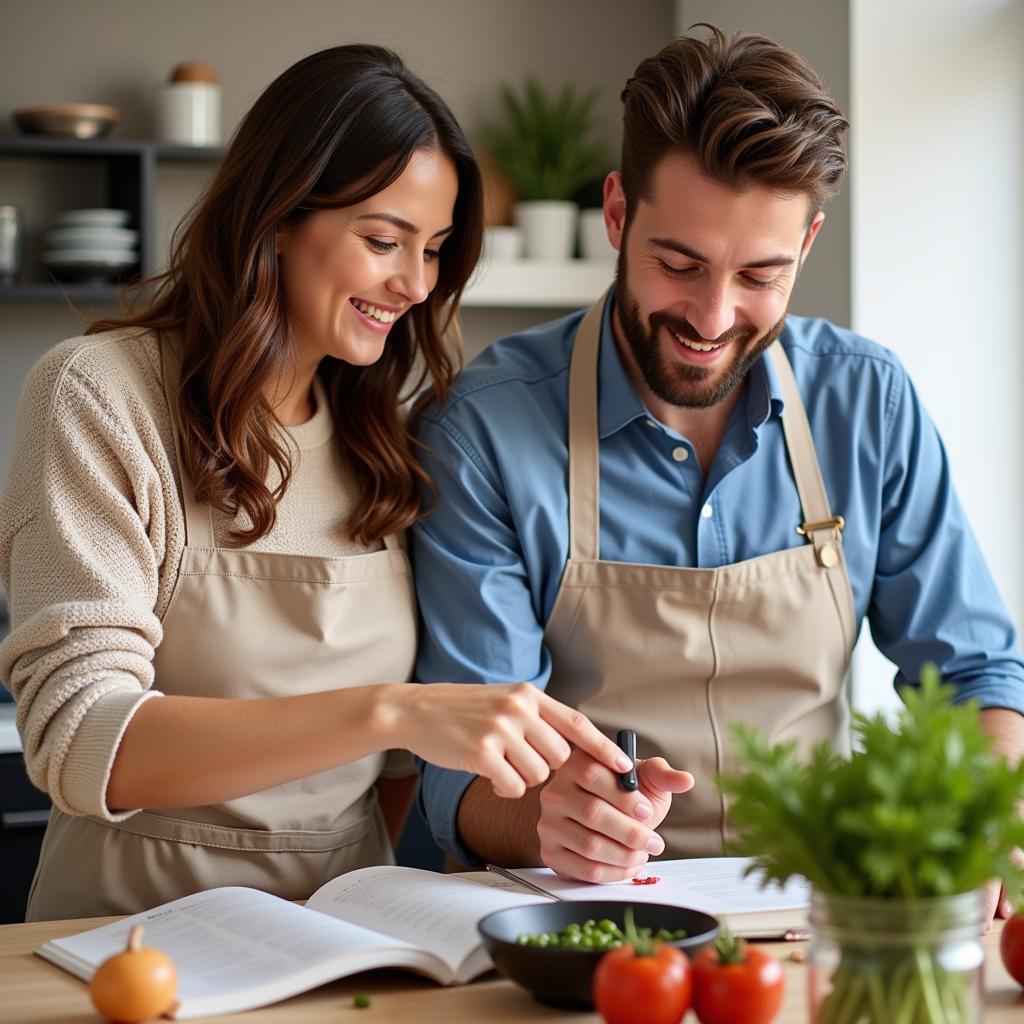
point(695, 387)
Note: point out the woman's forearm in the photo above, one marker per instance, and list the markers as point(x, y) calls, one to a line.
point(192, 751)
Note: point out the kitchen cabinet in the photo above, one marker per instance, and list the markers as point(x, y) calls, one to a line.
point(24, 811)
point(118, 173)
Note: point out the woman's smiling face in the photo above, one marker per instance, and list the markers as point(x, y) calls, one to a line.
point(349, 273)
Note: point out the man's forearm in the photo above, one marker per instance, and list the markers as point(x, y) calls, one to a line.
point(500, 831)
point(1007, 731)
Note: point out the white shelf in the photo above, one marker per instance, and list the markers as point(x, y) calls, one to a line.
point(538, 284)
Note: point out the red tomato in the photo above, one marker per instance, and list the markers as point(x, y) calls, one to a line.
point(748, 989)
point(1011, 946)
point(631, 988)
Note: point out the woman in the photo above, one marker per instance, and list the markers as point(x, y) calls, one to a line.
point(213, 615)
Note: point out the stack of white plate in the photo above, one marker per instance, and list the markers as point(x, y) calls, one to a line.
point(92, 243)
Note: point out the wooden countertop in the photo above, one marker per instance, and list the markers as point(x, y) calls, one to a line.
point(34, 990)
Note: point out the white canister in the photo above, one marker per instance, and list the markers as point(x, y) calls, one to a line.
point(188, 113)
point(502, 242)
point(594, 244)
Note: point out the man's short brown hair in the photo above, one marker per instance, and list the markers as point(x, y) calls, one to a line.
point(749, 111)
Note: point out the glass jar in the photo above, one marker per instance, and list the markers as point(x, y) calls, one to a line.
point(877, 961)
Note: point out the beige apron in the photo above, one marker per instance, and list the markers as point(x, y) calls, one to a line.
point(246, 624)
point(677, 654)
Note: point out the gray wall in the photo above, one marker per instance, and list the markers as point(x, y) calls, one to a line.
point(117, 51)
point(819, 30)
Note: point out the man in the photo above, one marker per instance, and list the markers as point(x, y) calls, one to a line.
point(674, 512)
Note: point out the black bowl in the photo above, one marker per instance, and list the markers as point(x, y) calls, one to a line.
point(564, 977)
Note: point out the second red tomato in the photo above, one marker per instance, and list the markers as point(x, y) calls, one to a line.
point(748, 990)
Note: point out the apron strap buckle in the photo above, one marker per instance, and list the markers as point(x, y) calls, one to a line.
point(835, 523)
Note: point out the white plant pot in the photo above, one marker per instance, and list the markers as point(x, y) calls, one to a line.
point(502, 242)
point(549, 227)
point(594, 244)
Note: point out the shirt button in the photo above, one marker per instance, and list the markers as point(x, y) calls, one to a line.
point(707, 512)
point(680, 454)
point(651, 423)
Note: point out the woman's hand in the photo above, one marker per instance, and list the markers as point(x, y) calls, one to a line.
point(513, 734)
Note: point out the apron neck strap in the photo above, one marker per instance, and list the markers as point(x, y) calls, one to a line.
point(820, 527)
point(584, 447)
point(198, 517)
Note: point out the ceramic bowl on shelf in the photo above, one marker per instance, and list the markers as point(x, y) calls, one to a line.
point(77, 120)
point(93, 217)
point(88, 264)
point(87, 236)
point(564, 977)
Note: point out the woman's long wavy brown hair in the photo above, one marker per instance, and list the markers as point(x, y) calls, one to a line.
point(332, 130)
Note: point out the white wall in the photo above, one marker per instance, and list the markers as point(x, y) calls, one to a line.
point(937, 98)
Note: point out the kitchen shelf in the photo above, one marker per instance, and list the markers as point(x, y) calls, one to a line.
point(538, 284)
point(130, 179)
point(129, 171)
point(42, 291)
point(46, 145)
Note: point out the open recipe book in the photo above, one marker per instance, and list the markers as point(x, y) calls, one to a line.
point(236, 948)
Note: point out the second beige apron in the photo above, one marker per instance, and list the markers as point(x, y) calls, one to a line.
point(678, 653)
point(247, 624)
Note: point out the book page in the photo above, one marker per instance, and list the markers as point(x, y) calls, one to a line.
point(430, 910)
point(230, 940)
point(715, 885)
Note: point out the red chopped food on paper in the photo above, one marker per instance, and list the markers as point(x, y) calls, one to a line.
point(649, 880)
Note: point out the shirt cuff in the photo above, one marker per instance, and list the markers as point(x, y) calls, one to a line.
point(992, 693)
point(440, 794)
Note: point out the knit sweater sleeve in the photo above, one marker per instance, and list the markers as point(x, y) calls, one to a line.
point(80, 555)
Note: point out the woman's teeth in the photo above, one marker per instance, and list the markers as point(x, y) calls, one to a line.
point(695, 345)
point(383, 315)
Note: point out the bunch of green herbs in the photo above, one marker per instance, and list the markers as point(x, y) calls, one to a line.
point(546, 143)
point(920, 815)
point(921, 810)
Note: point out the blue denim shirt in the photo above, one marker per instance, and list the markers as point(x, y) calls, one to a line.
point(489, 559)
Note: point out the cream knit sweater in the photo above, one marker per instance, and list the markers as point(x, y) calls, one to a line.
point(91, 536)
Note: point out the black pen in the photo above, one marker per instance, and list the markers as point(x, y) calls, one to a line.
point(626, 740)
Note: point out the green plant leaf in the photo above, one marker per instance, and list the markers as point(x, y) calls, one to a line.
point(546, 143)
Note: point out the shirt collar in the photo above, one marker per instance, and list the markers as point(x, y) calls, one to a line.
point(620, 405)
point(764, 392)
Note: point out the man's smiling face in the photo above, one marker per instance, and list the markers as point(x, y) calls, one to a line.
point(705, 277)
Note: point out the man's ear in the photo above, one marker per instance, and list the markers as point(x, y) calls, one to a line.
point(811, 234)
point(614, 209)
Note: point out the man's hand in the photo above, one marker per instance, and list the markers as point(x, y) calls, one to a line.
point(997, 903)
point(592, 830)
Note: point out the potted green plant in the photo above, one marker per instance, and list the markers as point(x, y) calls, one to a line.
point(898, 842)
point(546, 145)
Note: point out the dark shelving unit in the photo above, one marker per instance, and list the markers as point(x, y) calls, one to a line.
point(130, 169)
